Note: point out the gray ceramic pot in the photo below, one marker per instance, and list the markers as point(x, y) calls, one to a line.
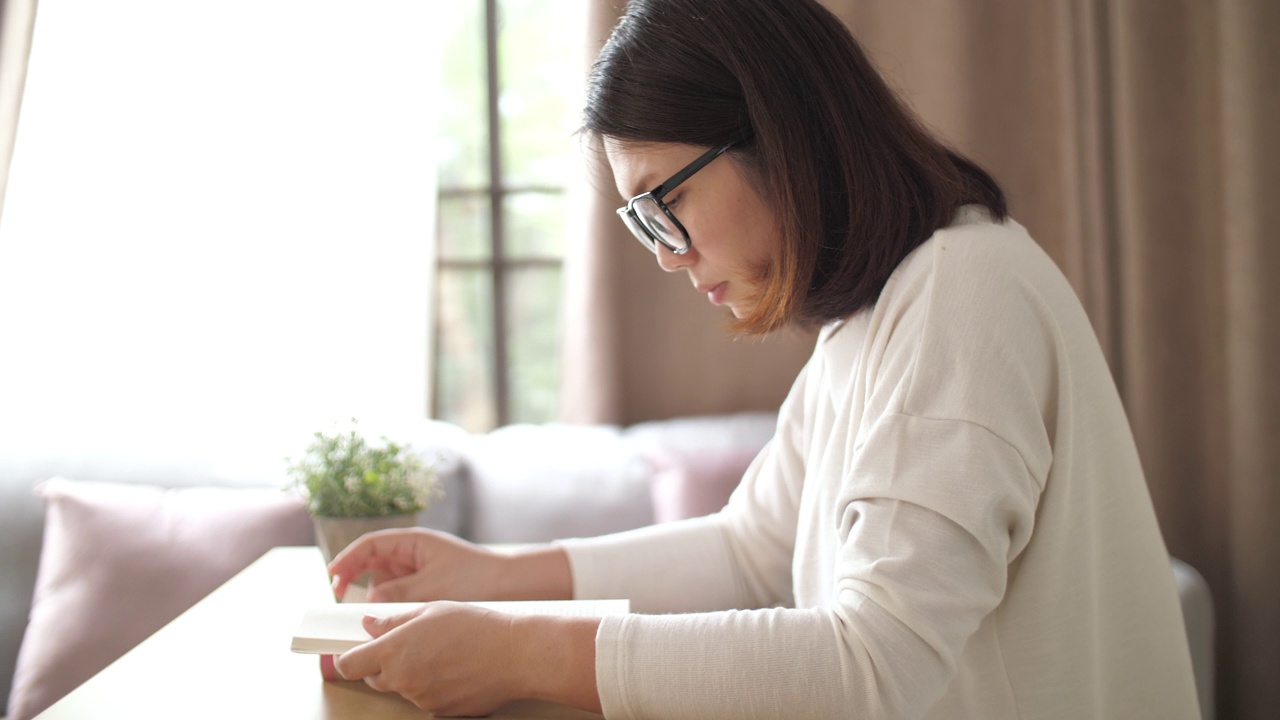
point(334, 534)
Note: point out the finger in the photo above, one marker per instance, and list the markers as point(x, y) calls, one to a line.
point(379, 626)
point(401, 589)
point(390, 551)
point(377, 683)
point(339, 586)
point(357, 663)
point(353, 559)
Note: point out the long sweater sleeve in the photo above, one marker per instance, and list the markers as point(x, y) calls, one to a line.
point(702, 564)
point(913, 586)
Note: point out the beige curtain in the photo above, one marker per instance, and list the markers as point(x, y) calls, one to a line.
point(1139, 141)
point(16, 18)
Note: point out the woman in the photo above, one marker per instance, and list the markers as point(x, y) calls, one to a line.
point(951, 521)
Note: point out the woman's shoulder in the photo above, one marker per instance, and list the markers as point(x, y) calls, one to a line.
point(974, 273)
point(976, 261)
point(973, 327)
point(974, 241)
point(977, 291)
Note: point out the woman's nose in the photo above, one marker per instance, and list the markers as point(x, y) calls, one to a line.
point(672, 262)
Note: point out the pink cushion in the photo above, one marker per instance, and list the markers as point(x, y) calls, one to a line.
point(689, 485)
point(698, 461)
point(120, 561)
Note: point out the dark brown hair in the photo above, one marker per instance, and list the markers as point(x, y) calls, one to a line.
point(854, 178)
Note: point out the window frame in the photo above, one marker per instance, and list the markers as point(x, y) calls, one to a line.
point(499, 265)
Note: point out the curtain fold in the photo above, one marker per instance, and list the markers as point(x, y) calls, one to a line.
point(1248, 559)
point(17, 17)
point(1195, 84)
point(1137, 142)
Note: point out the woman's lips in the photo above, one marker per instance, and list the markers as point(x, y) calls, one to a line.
point(716, 294)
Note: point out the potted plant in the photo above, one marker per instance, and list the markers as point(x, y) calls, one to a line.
point(353, 487)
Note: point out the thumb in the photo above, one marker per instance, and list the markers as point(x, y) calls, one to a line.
point(379, 626)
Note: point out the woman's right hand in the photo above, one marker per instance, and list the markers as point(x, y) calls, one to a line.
point(418, 565)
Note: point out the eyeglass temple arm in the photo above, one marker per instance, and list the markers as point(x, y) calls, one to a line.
point(689, 170)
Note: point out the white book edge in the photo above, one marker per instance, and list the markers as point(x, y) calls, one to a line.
point(335, 629)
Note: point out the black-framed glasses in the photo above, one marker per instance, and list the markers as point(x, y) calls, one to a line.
point(649, 218)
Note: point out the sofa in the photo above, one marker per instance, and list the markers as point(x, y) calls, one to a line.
point(108, 537)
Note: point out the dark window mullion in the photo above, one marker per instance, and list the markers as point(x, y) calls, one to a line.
point(501, 376)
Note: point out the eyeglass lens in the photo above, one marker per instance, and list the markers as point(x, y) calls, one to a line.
point(637, 230)
point(659, 223)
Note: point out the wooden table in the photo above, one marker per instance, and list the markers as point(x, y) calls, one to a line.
point(228, 657)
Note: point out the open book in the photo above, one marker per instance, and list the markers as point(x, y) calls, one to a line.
point(335, 629)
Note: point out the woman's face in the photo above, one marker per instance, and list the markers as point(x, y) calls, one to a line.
point(731, 228)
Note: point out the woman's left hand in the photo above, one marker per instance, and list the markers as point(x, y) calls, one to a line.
point(445, 657)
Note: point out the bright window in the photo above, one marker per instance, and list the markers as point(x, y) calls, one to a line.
point(512, 92)
point(221, 213)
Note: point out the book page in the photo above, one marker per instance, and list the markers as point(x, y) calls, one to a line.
point(334, 629)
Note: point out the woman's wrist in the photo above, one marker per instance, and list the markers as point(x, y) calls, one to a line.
point(540, 573)
point(555, 660)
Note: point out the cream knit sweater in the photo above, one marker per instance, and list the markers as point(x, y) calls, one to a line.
point(950, 522)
